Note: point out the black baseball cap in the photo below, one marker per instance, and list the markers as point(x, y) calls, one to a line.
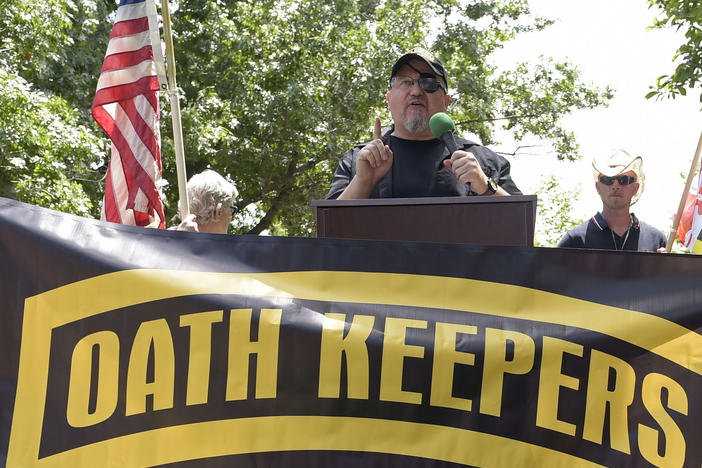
point(434, 63)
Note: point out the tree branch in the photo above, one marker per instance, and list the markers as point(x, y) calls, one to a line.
point(514, 153)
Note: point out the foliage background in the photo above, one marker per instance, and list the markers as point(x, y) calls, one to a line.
point(273, 93)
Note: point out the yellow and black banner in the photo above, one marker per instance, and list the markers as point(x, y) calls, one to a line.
point(124, 346)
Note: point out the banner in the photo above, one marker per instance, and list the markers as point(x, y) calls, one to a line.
point(124, 346)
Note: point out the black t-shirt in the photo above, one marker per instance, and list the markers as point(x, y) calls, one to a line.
point(442, 181)
point(418, 170)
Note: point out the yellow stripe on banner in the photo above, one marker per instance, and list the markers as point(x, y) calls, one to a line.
point(112, 291)
point(282, 433)
point(115, 290)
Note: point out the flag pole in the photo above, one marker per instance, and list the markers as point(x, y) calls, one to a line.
point(183, 204)
point(683, 199)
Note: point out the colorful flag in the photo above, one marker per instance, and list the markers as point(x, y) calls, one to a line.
point(690, 223)
point(126, 107)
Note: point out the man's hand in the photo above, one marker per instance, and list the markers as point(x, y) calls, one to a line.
point(467, 169)
point(188, 224)
point(372, 163)
point(374, 159)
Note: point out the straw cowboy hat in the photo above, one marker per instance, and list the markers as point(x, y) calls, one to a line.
point(618, 162)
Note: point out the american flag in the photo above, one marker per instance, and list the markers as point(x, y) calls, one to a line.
point(690, 223)
point(126, 107)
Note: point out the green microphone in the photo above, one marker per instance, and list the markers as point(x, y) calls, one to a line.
point(443, 127)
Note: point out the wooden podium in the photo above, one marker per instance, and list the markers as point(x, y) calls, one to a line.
point(489, 220)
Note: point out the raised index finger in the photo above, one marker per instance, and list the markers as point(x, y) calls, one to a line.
point(376, 130)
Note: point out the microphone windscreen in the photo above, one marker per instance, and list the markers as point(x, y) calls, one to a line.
point(441, 123)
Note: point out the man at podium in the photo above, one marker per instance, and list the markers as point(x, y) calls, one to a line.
point(408, 161)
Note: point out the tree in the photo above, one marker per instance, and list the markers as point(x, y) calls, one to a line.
point(48, 155)
point(555, 212)
point(275, 91)
point(683, 15)
point(292, 85)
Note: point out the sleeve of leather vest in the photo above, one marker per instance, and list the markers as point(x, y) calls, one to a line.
point(343, 175)
point(494, 166)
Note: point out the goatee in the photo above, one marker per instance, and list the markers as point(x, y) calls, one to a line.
point(416, 125)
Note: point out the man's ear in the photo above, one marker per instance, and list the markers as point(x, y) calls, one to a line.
point(218, 211)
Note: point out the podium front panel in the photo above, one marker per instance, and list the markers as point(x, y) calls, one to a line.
point(492, 220)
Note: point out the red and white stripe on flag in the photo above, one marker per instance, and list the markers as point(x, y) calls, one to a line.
point(126, 107)
point(690, 223)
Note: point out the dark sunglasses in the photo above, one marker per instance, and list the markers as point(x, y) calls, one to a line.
point(622, 179)
point(426, 81)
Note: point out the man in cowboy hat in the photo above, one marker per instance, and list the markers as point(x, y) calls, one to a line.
point(619, 180)
point(408, 160)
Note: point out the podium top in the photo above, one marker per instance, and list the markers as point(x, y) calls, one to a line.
point(425, 201)
point(490, 220)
